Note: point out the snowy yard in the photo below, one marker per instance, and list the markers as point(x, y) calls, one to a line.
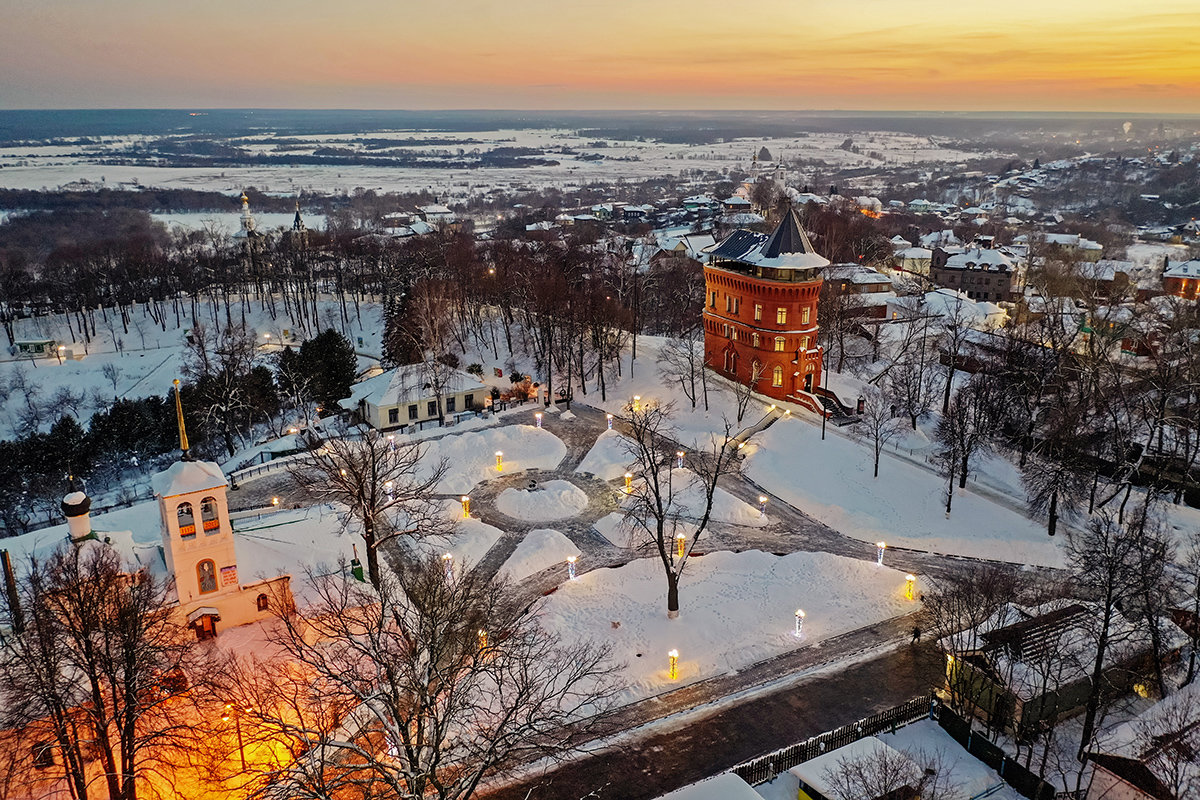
point(736, 609)
point(547, 501)
point(540, 549)
point(472, 456)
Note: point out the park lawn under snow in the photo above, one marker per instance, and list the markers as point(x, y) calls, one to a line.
point(471, 457)
point(547, 501)
point(831, 480)
point(609, 457)
point(539, 550)
point(736, 609)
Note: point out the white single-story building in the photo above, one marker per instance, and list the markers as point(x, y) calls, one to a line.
point(405, 396)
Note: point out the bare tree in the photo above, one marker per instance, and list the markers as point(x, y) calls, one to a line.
point(659, 511)
point(878, 424)
point(384, 485)
point(1168, 739)
point(419, 687)
point(964, 432)
point(93, 662)
point(112, 374)
point(681, 361)
point(743, 391)
point(886, 772)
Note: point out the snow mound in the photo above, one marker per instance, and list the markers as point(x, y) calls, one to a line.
point(609, 457)
point(736, 609)
point(472, 455)
point(469, 542)
point(550, 500)
point(540, 549)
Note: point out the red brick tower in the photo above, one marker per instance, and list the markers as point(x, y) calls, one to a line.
point(760, 311)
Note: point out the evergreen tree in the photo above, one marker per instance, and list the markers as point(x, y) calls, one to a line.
point(329, 360)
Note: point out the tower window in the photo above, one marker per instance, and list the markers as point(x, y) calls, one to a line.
point(758, 311)
point(206, 576)
point(712, 299)
point(187, 522)
point(781, 316)
point(778, 344)
point(209, 515)
point(804, 316)
point(754, 339)
point(777, 376)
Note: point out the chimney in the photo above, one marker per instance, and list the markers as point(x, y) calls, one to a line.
point(75, 508)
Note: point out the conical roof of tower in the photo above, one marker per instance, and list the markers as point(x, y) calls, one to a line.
point(788, 238)
point(788, 247)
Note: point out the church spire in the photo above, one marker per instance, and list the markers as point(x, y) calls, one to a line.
point(247, 220)
point(183, 440)
point(297, 223)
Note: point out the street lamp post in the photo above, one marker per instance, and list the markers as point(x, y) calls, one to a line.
point(230, 711)
point(799, 622)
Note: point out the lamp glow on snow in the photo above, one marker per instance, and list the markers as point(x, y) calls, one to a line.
point(275, 501)
point(879, 548)
point(910, 582)
point(762, 506)
point(628, 482)
point(679, 458)
point(538, 417)
point(799, 622)
point(448, 563)
point(673, 670)
point(680, 545)
point(499, 460)
point(608, 417)
point(466, 505)
point(571, 567)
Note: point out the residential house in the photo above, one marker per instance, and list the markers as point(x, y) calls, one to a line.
point(870, 290)
point(407, 397)
point(980, 273)
point(1182, 279)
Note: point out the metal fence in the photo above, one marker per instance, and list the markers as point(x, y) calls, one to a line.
point(763, 769)
point(1027, 783)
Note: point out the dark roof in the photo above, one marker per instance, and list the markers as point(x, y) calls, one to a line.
point(1135, 773)
point(1031, 638)
point(737, 245)
point(788, 237)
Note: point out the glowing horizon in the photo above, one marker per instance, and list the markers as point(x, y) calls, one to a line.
point(1053, 55)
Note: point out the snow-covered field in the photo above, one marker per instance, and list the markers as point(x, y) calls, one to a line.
point(736, 609)
point(471, 457)
point(540, 549)
point(831, 480)
point(609, 457)
point(548, 501)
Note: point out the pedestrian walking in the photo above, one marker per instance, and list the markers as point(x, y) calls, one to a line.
point(916, 634)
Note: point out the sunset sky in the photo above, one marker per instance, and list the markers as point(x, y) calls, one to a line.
point(1036, 55)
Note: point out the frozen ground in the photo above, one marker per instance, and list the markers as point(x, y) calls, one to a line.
point(609, 457)
point(540, 549)
point(548, 501)
point(736, 609)
point(471, 456)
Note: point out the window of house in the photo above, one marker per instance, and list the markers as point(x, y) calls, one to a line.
point(804, 343)
point(733, 334)
point(725, 331)
point(208, 513)
point(187, 522)
point(737, 305)
point(468, 401)
point(262, 602)
point(206, 576)
point(728, 303)
point(778, 344)
point(777, 376)
point(451, 405)
point(393, 416)
point(712, 299)
point(781, 316)
point(431, 408)
point(758, 310)
point(804, 316)
point(412, 411)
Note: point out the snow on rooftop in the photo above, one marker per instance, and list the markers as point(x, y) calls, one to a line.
point(814, 772)
point(725, 786)
point(184, 477)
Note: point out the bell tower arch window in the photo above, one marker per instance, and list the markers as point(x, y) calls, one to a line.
point(209, 515)
point(187, 521)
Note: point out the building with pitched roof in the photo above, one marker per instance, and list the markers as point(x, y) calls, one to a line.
point(760, 311)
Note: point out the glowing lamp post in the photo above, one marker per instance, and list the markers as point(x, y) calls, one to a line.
point(673, 670)
point(230, 711)
point(466, 506)
point(762, 506)
point(62, 348)
point(275, 502)
point(608, 417)
point(571, 567)
point(637, 402)
point(628, 482)
point(483, 640)
point(679, 458)
point(910, 581)
point(499, 460)
point(448, 563)
point(680, 545)
point(392, 442)
point(879, 548)
point(538, 417)
point(799, 622)
point(387, 487)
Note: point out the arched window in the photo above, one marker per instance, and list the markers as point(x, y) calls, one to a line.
point(206, 575)
point(208, 513)
point(777, 376)
point(187, 523)
point(262, 602)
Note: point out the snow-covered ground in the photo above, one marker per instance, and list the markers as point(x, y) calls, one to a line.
point(736, 609)
point(548, 501)
point(471, 457)
point(540, 549)
point(468, 543)
point(609, 457)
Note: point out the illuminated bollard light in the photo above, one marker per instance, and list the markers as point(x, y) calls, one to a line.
point(628, 482)
point(609, 418)
point(466, 506)
point(275, 501)
point(762, 506)
point(879, 548)
point(637, 402)
point(673, 671)
point(448, 562)
point(387, 487)
point(679, 458)
point(799, 622)
point(910, 581)
point(392, 442)
point(680, 545)
point(483, 640)
point(499, 460)
point(571, 567)
point(538, 417)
